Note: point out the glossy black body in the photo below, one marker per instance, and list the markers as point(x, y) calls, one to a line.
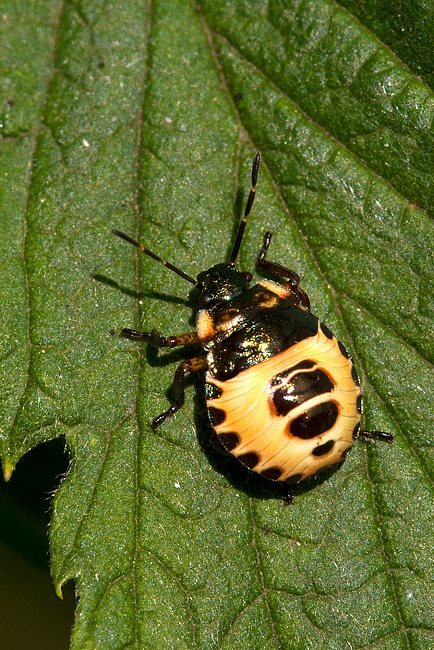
point(261, 331)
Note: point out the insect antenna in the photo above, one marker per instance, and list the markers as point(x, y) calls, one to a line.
point(170, 266)
point(249, 204)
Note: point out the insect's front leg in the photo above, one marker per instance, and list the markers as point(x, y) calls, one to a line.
point(189, 365)
point(278, 269)
point(160, 341)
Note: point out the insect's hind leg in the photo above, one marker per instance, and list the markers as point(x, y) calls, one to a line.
point(160, 341)
point(292, 277)
point(189, 365)
point(375, 435)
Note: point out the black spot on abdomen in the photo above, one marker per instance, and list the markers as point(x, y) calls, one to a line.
point(212, 391)
point(229, 440)
point(355, 376)
point(272, 473)
point(343, 350)
point(216, 416)
point(315, 421)
point(324, 449)
point(325, 330)
point(302, 387)
point(250, 459)
point(281, 376)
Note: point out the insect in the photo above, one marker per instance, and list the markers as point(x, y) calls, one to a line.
point(282, 392)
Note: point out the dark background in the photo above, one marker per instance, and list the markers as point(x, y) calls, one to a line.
point(32, 617)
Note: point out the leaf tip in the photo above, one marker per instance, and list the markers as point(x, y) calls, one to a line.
point(8, 468)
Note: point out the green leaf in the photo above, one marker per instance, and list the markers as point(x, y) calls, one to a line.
point(146, 118)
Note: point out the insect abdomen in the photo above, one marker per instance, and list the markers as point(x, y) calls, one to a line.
point(292, 414)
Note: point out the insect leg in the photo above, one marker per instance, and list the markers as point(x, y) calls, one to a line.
point(287, 497)
point(375, 435)
point(160, 341)
point(189, 365)
point(272, 267)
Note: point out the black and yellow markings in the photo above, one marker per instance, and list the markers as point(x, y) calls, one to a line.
point(212, 391)
point(229, 440)
point(283, 396)
point(276, 288)
point(324, 449)
point(216, 416)
point(298, 385)
point(205, 326)
point(316, 420)
point(227, 318)
point(291, 415)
